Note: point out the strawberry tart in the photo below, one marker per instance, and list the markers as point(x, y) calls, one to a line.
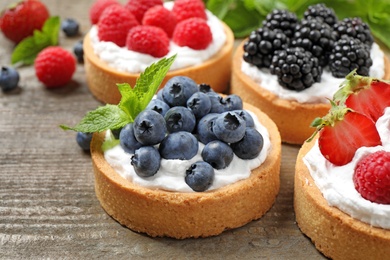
point(188, 163)
point(342, 176)
point(125, 39)
point(290, 68)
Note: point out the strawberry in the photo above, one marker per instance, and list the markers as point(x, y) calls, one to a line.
point(98, 7)
point(22, 18)
point(161, 17)
point(114, 25)
point(184, 9)
point(372, 177)
point(365, 95)
point(148, 39)
point(139, 7)
point(194, 33)
point(343, 131)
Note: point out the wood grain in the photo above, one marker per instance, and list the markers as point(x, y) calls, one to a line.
point(48, 207)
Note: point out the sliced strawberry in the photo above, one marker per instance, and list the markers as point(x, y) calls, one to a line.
point(365, 95)
point(342, 132)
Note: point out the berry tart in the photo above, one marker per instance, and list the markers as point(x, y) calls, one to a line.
point(192, 163)
point(128, 38)
point(290, 68)
point(342, 176)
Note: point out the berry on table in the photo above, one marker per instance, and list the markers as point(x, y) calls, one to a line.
point(9, 78)
point(70, 27)
point(98, 7)
point(347, 55)
point(54, 66)
point(146, 161)
point(79, 51)
point(148, 39)
point(194, 33)
point(84, 140)
point(199, 176)
point(372, 177)
point(296, 68)
point(114, 25)
point(283, 20)
point(21, 19)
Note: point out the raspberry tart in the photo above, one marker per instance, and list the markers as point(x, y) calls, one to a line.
point(117, 50)
point(342, 176)
point(192, 163)
point(289, 68)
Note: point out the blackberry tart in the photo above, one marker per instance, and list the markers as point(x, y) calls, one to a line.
point(293, 92)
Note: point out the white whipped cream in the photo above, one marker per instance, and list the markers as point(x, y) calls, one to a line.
point(126, 60)
point(336, 183)
point(319, 92)
point(172, 172)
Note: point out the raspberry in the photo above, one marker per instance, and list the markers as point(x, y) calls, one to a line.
point(20, 20)
point(194, 33)
point(148, 39)
point(161, 17)
point(98, 7)
point(54, 66)
point(184, 9)
point(139, 7)
point(372, 177)
point(114, 24)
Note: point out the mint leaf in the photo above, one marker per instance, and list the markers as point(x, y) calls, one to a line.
point(101, 119)
point(109, 142)
point(27, 50)
point(134, 100)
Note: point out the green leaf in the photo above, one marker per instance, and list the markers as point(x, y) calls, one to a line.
point(134, 100)
point(101, 119)
point(27, 50)
point(110, 142)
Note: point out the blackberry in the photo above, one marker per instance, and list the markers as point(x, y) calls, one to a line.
point(348, 54)
point(262, 44)
point(322, 12)
point(281, 19)
point(296, 68)
point(355, 28)
point(315, 36)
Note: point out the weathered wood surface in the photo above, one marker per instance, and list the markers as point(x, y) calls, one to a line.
point(48, 207)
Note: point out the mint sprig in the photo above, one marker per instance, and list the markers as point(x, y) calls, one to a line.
point(132, 102)
point(27, 50)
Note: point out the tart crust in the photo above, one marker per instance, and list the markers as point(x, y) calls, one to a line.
point(292, 118)
point(102, 79)
point(334, 233)
point(184, 215)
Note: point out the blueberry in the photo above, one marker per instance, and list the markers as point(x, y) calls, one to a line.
point(180, 119)
point(178, 90)
point(79, 51)
point(127, 139)
point(84, 140)
point(218, 154)
point(9, 78)
point(232, 102)
point(216, 100)
point(146, 161)
point(250, 146)
point(200, 104)
point(149, 127)
point(158, 105)
point(70, 27)
point(159, 94)
point(204, 88)
point(199, 176)
point(180, 145)
point(205, 128)
point(246, 116)
point(229, 127)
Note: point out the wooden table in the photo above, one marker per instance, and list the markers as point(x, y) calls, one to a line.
point(48, 207)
